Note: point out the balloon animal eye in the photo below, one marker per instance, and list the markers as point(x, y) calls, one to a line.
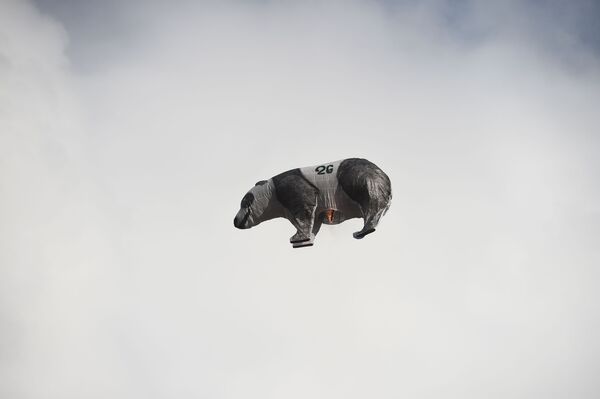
point(247, 200)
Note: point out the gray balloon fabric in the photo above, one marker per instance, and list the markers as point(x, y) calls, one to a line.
point(328, 193)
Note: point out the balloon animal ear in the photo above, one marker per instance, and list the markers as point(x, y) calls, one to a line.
point(260, 183)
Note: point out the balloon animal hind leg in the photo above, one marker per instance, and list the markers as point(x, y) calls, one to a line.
point(371, 216)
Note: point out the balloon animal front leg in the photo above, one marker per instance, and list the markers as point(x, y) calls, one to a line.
point(299, 198)
point(303, 223)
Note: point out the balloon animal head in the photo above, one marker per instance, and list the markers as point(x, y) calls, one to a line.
point(259, 204)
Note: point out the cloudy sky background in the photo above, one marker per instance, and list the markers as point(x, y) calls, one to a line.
point(129, 131)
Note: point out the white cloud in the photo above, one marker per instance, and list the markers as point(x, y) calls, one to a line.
point(123, 276)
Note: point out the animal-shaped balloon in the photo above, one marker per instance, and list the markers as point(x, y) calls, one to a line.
point(329, 193)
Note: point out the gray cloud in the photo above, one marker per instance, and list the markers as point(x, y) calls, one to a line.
point(129, 134)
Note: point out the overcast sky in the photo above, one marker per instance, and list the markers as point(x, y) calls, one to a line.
point(129, 132)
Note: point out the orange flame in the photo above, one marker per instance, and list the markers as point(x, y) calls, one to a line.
point(329, 215)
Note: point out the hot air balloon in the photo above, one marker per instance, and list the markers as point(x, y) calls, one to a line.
point(309, 197)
